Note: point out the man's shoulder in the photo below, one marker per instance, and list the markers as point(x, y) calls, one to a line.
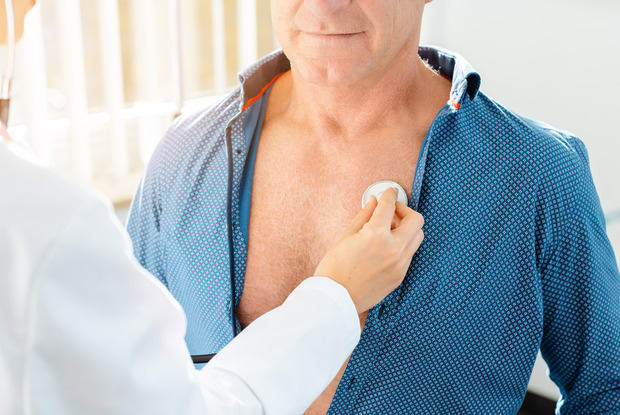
point(200, 127)
point(548, 150)
point(194, 135)
point(203, 130)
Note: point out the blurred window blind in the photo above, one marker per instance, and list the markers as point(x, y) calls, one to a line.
point(99, 81)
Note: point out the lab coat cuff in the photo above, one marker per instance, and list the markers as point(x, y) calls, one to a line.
point(338, 294)
point(288, 356)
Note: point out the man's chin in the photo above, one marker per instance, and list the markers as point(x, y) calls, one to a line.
point(332, 72)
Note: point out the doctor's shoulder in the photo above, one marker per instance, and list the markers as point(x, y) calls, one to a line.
point(38, 202)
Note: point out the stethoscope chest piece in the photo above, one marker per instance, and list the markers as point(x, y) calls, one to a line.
point(377, 189)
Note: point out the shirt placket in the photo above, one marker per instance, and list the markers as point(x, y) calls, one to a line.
point(383, 317)
point(238, 251)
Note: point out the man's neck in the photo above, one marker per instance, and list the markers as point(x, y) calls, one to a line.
point(407, 91)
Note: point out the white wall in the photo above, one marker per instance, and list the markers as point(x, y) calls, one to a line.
point(553, 60)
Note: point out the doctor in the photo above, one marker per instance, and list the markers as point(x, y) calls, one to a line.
point(85, 330)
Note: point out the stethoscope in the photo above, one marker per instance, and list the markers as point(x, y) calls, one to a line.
point(9, 65)
point(376, 190)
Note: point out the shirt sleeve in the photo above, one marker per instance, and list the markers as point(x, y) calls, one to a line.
point(105, 337)
point(581, 292)
point(143, 224)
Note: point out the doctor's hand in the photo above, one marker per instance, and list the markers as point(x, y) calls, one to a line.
point(371, 257)
point(4, 134)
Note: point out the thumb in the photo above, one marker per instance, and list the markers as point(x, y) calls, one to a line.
point(362, 217)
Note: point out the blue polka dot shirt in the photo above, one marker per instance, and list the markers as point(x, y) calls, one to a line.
point(516, 257)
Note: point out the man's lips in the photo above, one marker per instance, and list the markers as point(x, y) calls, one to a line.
point(333, 34)
point(335, 42)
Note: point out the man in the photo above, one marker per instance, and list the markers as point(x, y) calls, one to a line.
point(85, 330)
point(515, 259)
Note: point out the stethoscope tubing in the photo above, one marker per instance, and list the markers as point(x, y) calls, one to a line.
point(202, 358)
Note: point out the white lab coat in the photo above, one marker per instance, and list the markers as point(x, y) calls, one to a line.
point(85, 330)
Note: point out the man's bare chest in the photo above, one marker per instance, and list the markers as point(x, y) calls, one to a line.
point(301, 199)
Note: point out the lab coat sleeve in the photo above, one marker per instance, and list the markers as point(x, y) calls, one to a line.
point(292, 346)
point(581, 294)
point(105, 337)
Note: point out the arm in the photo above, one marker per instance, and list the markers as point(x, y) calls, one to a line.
point(143, 224)
point(581, 293)
point(107, 338)
point(291, 348)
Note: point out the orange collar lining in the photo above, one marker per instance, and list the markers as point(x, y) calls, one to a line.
point(260, 94)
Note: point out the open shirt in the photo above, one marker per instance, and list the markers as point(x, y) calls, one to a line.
point(515, 257)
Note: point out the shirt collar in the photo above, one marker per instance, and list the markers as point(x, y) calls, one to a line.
point(254, 79)
point(453, 66)
point(464, 77)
